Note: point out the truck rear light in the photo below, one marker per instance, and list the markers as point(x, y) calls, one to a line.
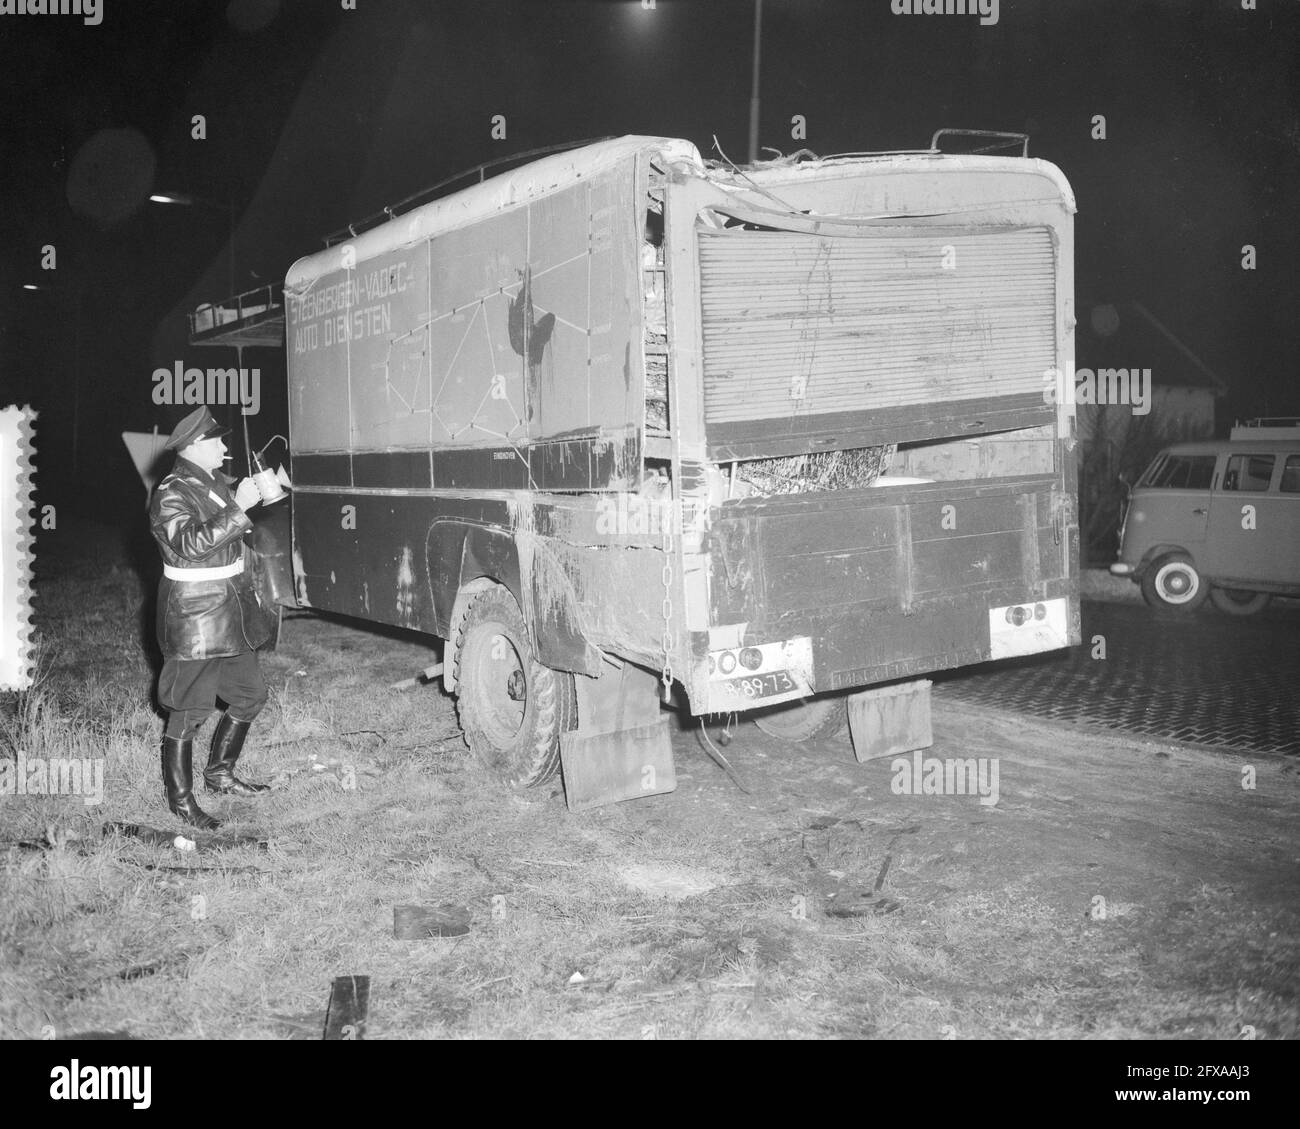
point(1027, 629)
point(751, 658)
point(727, 662)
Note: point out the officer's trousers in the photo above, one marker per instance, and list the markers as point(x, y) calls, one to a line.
point(189, 689)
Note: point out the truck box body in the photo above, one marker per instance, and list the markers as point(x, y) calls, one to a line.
point(655, 400)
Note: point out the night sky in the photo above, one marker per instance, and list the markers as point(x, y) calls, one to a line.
point(317, 116)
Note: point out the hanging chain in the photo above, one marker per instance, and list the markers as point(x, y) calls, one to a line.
point(667, 522)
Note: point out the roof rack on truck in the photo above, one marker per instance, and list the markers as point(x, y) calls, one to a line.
point(255, 317)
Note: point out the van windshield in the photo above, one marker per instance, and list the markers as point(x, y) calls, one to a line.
point(1181, 472)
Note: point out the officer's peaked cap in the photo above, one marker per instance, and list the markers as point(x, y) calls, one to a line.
point(199, 424)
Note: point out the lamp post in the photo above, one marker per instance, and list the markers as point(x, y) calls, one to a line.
point(187, 199)
point(753, 90)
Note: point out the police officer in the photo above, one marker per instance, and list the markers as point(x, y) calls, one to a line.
point(209, 619)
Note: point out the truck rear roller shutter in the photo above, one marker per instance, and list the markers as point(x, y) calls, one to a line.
point(799, 325)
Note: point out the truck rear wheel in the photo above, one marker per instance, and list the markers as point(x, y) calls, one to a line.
point(804, 720)
point(512, 708)
point(1239, 601)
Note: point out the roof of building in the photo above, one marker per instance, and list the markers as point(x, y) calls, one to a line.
point(1128, 335)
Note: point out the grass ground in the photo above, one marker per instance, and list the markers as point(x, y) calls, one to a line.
point(1117, 889)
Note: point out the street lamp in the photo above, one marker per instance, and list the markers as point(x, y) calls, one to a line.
point(648, 5)
point(753, 90)
point(187, 199)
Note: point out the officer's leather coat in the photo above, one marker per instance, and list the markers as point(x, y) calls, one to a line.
point(194, 519)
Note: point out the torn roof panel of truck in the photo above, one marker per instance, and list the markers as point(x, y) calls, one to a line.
point(1009, 178)
point(498, 194)
point(989, 180)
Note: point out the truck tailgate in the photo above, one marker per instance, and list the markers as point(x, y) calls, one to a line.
point(895, 580)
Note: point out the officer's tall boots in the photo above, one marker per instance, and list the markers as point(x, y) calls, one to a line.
point(178, 780)
point(227, 743)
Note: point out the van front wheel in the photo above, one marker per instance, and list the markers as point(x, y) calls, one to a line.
point(1173, 584)
point(1239, 601)
point(512, 708)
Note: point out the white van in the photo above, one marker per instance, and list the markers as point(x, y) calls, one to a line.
point(1217, 520)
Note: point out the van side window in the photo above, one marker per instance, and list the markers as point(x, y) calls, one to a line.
point(1291, 475)
point(1248, 472)
point(1184, 472)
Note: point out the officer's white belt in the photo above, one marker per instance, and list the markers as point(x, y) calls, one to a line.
point(222, 572)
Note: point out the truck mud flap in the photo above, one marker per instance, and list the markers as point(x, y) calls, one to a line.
point(622, 748)
point(890, 720)
point(605, 768)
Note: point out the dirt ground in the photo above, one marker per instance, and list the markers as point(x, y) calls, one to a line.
point(1117, 889)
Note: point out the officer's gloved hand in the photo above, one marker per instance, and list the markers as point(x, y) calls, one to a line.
point(246, 494)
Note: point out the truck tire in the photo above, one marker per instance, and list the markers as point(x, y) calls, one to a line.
point(1239, 601)
point(1173, 584)
point(512, 709)
point(805, 720)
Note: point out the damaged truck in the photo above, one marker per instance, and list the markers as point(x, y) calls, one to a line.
point(627, 428)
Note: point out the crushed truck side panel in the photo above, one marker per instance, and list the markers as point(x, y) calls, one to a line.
point(481, 343)
point(444, 388)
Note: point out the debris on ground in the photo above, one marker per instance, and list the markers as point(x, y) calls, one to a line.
point(669, 881)
point(418, 923)
point(151, 835)
point(345, 1018)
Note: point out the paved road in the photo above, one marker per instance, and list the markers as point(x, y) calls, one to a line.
point(1207, 678)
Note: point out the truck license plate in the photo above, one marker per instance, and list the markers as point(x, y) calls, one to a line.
point(742, 678)
point(758, 686)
